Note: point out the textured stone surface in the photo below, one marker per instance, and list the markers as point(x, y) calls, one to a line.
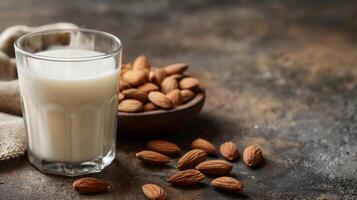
point(279, 74)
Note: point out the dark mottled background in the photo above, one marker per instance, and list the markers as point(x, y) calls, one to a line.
point(280, 74)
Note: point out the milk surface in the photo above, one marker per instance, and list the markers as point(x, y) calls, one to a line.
point(70, 107)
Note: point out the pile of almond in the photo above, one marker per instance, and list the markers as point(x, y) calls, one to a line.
point(192, 166)
point(143, 88)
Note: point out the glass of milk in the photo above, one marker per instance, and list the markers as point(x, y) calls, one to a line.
point(69, 88)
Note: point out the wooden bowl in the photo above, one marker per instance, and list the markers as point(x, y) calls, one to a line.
point(159, 122)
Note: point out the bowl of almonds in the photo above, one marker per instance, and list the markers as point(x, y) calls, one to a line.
point(155, 100)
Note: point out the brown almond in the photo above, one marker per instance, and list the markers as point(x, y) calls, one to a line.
point(177, 68)
point(215, 167)
point(154, 192)
point(160, 100)
point(175, 97)
point(90, 185)
point(189, 83)
point(130, 106)
point(203, 144)
point(229, 151)
point(141, 63)
point(148, 87)
point(168, 84)
point(227, 184)
point(152, 157)
point(187, 177)
point(176, 76)
point(149, 107)
point(187, 95)
point(135, 94)
point(123, 85)
point(135, 77)
point(125, 67)
point(120, 97)
point(191, 159)
point(252, 155)
point(164, 147)
point(157, 75)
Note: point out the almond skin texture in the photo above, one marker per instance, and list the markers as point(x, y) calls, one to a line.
point(229, 151)
point(176, 76)
point(203, 144)
point(148, 87)
point(191, 159)
point(164, 147)
point(187, 177)
point(141, 63)
point(227, 184)
point(123, 85)
point(215, 167)
point(175, 97)
point(187, 95)
point(135, 94)
point(154, 192)
point(130, 106)
point(152, 157)
point(177, 68)
point(252, 156)
point(160, 100)
point(189, 83)
point(90, 185)
point(157, 76)
point(168, 84)
point(135, 77)
point(149, 107)
point(120, 97)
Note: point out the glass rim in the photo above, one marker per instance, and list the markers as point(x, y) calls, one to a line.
point(114, 52)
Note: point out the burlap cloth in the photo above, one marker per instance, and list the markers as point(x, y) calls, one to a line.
point(12, 131)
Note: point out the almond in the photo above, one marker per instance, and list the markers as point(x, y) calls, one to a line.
point(187, 177)
point(149, 107)
point(130, 105)
point(135, 94)
point(123, 85)
point(157, 76)
point(175, 97)
point(164, 147)
point(90, 185)
point(176, 76)
point(189, 83)
point(187, 95)
point(229, 151)
point(148, 87)
point(203, 144)
point(215, 167)
point(160, 100)
point(177, 68)
point(121, 96)
point(141, 63)
point(252, 155)
point(227, 184)
point(154, 192)
point(152, 157)
point(135, 77)
point(168, 84)
point(191, 159)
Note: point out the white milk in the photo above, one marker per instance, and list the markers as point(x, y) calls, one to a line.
point(70, 108)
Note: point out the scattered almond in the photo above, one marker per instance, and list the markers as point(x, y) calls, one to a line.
point(157, 76)
point(191, 159)
point(187, 177)
point(252, 155)
point(141, 63)
point(154, 192)
point(229, 151)
point(189, 83)
point(175, 97)
point(187, 95)
point(121, 96)
point(215, 167)
point(123, 85)
point(168, 84)
point(176, 76)
point(203, 144)
point(135, 94)
point(164, 147)
point(152, 157)
point(149, 107)
point(90, 185)
point(135, 77)
point(130, 105)
point(227, 184)
point(177, 68)
point(160, 100)
point(148, 87)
